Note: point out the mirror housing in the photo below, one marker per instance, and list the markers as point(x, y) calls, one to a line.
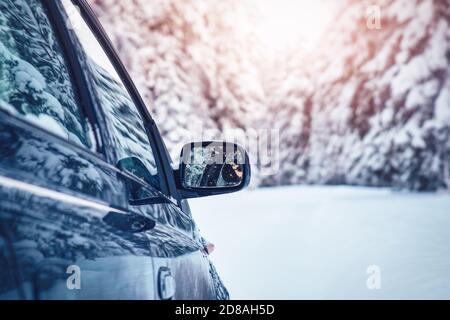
point(212, 168)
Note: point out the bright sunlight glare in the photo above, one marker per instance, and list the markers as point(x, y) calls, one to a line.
point(287, 23)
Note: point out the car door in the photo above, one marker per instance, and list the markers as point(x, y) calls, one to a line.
point(182, 269)
point(66, 228)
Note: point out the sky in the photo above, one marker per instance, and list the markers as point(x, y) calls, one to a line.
point(286, 23)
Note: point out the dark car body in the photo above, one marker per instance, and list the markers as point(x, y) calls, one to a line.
point(74, 223)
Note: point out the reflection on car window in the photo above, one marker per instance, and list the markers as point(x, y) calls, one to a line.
point(122, 116)
point(34, 79)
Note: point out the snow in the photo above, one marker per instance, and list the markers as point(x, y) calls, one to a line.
point(27, 75)
point(318, 242)
point(442, 107)
point(49, 123)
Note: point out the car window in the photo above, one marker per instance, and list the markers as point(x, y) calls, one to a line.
point(124, 121)
point(35, 82)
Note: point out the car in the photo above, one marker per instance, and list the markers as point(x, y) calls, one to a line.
point(92, 206)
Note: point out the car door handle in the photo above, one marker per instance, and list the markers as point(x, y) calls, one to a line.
point(132, 222)
point(166, 284)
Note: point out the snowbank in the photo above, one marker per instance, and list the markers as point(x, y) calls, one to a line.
point(317, 242)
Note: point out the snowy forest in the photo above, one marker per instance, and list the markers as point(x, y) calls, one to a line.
point(366, 103)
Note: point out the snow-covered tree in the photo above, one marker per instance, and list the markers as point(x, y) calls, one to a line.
point(34, 78)
point(375, 108)
point(370, 105)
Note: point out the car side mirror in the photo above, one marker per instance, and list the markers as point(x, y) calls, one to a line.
point(212, 168)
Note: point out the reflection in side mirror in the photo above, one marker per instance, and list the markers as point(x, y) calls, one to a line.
point(214, 165)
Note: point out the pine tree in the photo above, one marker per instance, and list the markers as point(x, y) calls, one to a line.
point(377, 110)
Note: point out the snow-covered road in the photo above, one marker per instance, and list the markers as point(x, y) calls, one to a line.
point(317, 242)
